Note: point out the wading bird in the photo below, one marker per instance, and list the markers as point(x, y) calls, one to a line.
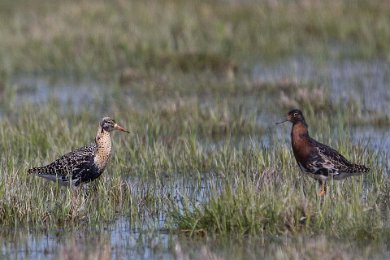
point(319, 161)
point(84, 164)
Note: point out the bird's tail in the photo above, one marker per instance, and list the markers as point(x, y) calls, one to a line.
point(356, 168)
point(37, 170)
point(48, 173)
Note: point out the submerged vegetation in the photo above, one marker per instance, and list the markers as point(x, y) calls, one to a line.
point(204, 163)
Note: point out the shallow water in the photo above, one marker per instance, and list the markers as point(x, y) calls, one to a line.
point(67, 92)
point(116, 240)
point(376, 138)
point(366, 82)
point(120, 241)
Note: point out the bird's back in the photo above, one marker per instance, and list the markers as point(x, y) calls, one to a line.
point(326, 158)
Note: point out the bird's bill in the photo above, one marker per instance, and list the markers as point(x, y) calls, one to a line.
point(287, 119)
point(284, 121)
point(118, 127)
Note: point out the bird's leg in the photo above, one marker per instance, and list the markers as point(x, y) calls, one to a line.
point(322, 192)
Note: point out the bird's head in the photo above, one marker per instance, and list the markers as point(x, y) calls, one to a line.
point(108, 124)
point(294, 116)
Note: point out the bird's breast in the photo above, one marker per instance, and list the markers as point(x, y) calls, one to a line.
point(101, 157)
point(301, 145)
point(103, 151)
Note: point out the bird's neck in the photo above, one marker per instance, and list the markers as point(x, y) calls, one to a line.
point(103, 148)
point(299, 131)
point(300, 139)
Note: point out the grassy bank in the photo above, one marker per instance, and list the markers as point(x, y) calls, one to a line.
point(100, 37)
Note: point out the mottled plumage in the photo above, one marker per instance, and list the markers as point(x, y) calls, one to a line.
point(316, 159)
point(84, 164)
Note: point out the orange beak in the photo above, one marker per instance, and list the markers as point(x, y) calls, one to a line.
point(118, 127)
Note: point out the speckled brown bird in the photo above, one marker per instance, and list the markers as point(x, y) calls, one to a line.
point(84, 164)
point(318, 160)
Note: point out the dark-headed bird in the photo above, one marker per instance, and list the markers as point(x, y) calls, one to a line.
point(84, 164)
point(318, 160)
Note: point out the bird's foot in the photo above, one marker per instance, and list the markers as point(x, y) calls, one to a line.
point(322, 192)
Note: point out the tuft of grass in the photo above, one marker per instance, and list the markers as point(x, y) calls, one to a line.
point(275, 198)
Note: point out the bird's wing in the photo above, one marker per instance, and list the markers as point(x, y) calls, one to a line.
point(69, 166)
point(331, 160)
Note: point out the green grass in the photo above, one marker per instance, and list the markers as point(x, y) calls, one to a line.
point(261, 191)
point(99, 37)
point(179, 76)
point(264, 193)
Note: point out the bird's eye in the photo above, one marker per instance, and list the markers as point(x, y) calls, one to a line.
point(295, 114)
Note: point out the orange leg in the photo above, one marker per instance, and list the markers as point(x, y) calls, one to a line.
point(322, 192)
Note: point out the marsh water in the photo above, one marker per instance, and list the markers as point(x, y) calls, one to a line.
point(365, 82)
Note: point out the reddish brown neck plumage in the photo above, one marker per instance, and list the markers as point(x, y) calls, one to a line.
point(300, 141)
